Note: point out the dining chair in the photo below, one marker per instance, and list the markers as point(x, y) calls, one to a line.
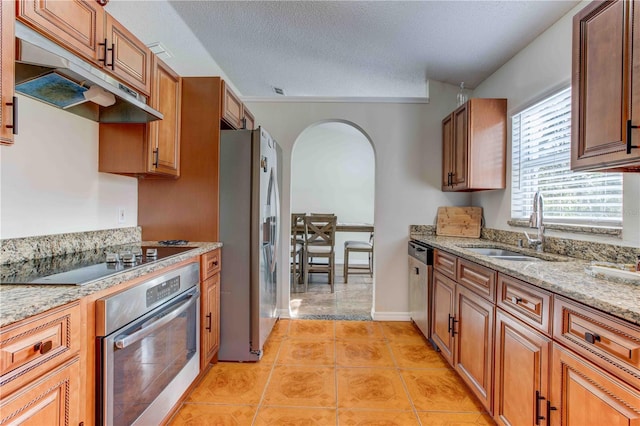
point(358, 247)
point(320, 233)
point(297, 247)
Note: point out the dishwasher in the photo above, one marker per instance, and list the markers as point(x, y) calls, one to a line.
point(420, 273)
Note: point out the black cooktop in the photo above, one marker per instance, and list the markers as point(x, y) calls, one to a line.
point(84, 267)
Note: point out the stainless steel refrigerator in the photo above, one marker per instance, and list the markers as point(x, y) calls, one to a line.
point(249, 231)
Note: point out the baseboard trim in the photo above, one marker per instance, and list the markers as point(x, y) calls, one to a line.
point(391, 316)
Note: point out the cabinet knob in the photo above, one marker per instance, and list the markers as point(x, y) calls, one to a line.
point(591, 338)
point(515, 300)
point(43, 347)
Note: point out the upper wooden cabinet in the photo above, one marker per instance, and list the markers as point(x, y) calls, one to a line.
point(78, 25)
point(164, 135)
point(234, 114)
point(474, 141)
point(605, 93)
point(8, 107)
point(127, 57)
point(83, 27)
point(151, 149)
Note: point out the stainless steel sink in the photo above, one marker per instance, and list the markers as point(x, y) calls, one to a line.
point(502, 254)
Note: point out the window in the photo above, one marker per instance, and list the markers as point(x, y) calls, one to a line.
point(541, 140)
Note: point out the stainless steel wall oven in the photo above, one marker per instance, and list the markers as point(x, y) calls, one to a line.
point(147, 348)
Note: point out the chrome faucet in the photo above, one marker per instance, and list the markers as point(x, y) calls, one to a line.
point(536, 221)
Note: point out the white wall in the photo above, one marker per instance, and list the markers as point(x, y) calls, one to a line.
point(408, 152)
point(333, 171)
point(542, 68)
point(49, 180)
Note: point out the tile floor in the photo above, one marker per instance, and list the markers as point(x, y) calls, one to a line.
point(323, 373)
point(351, 301)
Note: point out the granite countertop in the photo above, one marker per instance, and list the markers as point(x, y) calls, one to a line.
point(559, 274)
point(22, 301)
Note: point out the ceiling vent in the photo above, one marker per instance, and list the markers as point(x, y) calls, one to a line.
point(160, 50)
point(278, 91)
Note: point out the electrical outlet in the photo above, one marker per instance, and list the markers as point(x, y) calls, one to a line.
point(121, 215)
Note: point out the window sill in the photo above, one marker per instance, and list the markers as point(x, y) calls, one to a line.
point(577, 229)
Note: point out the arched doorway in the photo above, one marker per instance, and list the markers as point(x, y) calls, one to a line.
point(333, 171)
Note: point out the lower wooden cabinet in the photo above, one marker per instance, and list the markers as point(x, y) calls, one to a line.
point(473, 355)
point(210, 325)
point(444, 297)
point(53, 399)
point(583, 394)
point(522, 363)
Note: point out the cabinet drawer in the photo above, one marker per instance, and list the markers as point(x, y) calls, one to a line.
point(445, 263)
point(211, 264)
point(28, 349)
point(477, 278)
point(608, 342)
point(526, 302)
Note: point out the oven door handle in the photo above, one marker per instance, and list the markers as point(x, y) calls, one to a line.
point(125, 340)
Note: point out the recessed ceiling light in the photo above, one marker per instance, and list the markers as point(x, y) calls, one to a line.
point(160, 50)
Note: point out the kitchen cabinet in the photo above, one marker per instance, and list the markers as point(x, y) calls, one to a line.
point(249, 121)
point(189, 204)
point(605, 89)
point(549, 361)
point(474, 142)
point(234, 114)
point(473, 328)
point(584, 394)
point(152, 149)
point(53, 399)
point(522, 365)
point(130, 60)
point(232, 108)
point(210, 267)
point(443, 307)
point(8, 102)
point(83, 27)
point(40, 368)
point(78, 25)
point(463, 330)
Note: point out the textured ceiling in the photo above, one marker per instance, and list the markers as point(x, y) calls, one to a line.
point(341, 48)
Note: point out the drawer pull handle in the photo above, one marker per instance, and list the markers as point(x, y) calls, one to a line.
point(539, 398)
point(515, 300)
point(208, 327)
point(550, 408)
point(591, 338)
point(43, 347)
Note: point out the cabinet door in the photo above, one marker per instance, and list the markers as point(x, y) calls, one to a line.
point(249, 121)
point(473, 355)
point(164, 135)
point(129, 59)
point(522, 373)
point(584, 395)
point(77, 25)
point(443, 310)
point(7, 57)
point(447, 152)
point(51, 400)
point(232, 109)
point(210, 312)
point(603, 73)
point(460, 147)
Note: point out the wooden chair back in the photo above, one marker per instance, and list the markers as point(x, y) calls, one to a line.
point(320, 229)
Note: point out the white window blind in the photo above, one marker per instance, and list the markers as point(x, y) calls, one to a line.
point(541, 141)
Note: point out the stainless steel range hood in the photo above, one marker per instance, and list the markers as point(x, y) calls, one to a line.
point(51, 74)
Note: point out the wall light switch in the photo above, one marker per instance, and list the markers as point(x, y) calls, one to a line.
point(121, 215)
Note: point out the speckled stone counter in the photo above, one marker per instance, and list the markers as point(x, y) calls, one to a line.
point(21, 301)
point(560, 274)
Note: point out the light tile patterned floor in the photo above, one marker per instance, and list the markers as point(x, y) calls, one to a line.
point(324, 373)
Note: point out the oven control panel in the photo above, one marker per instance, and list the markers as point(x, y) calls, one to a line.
point(163, 290)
